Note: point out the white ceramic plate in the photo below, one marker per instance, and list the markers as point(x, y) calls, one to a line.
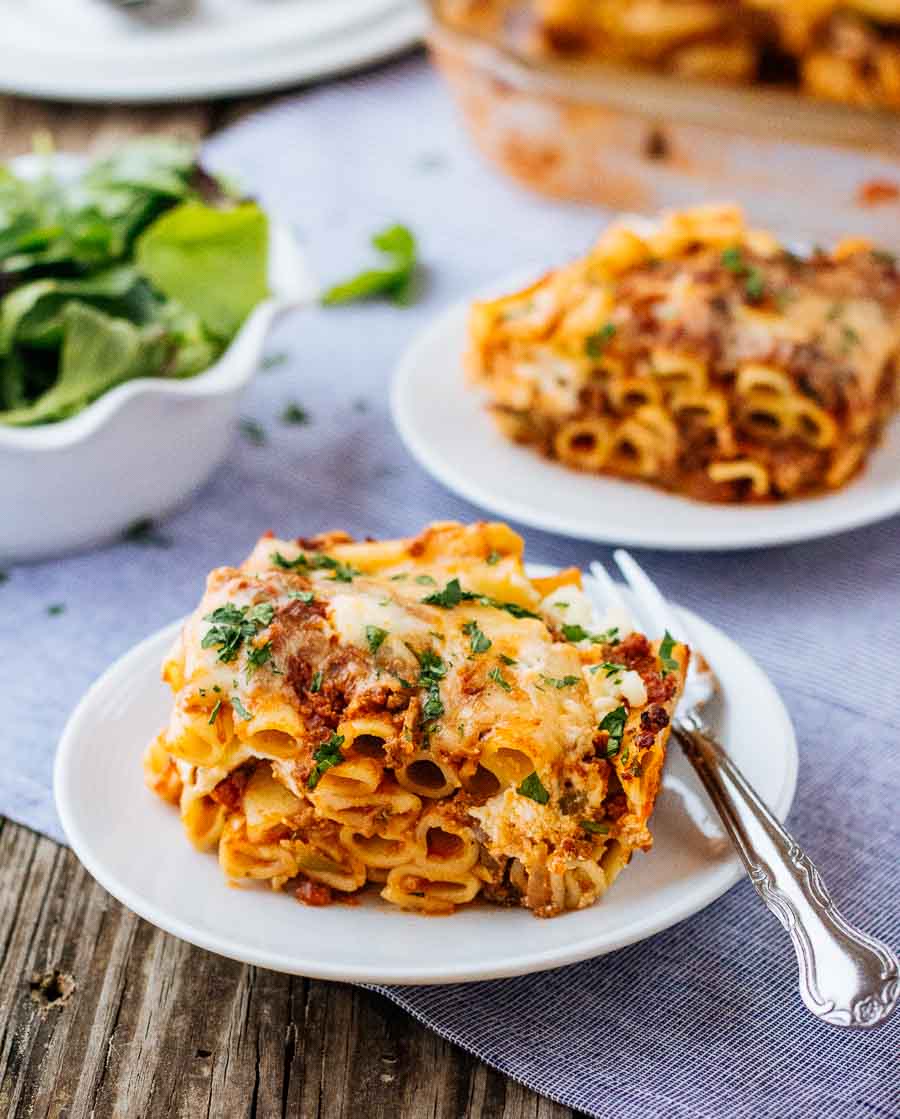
point(88, 50)
point(133, 844)
point(445, 425)
point(166, 436)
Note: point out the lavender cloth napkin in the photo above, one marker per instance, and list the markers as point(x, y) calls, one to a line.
point(701, 1021)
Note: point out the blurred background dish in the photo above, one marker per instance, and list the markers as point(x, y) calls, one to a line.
point(91, 50)
point(641, 125)
point(144, 445)
point(447, 429)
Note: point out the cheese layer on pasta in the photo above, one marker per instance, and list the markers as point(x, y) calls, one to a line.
point(703, 357)
point(419, 714)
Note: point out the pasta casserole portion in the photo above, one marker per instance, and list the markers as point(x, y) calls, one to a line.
point(418, 714)
point(838, 50)
point(703, 357)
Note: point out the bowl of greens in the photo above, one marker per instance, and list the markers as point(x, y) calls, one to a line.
point(136, 293)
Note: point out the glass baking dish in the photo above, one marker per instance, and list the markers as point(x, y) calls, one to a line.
point(640, 141)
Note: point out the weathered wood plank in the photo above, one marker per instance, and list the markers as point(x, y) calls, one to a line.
point(156, 1029)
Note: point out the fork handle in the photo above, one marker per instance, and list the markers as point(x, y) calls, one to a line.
point(847, 977)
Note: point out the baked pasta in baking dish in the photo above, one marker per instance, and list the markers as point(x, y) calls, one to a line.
point(419, 714)
point(839, 50)
point(703, 357)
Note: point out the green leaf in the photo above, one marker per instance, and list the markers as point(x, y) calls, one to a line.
point(375, 637)
point(532, 788)
point(328, 754)
point(595, 344)
point(614, 725)
point(593, 827)
point(214, 262)
point(480, 642)
point(669, 664)
point(98, 353)
point(394, 281)
point(497, 676)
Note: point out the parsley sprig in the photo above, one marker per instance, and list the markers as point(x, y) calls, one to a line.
point(576, 633)
point(668, 662)
point(317, 561)
point(375, 637)
point(233, 625)
point(479, 641)
point(561, 681)
point(497, 676)
point(614, 725)
point(596, 343)
point(453, 594)
point(532, 788)
point(328, 754)
point(431, 671)
point(732, 258)
point(395, 281)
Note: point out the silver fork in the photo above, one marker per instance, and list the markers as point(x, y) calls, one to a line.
point(847, 977)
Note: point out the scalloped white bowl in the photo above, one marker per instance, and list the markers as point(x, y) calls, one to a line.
point(143, 447)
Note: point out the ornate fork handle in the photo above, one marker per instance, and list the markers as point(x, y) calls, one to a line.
point(847, 978)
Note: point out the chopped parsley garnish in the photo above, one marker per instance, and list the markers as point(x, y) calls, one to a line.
point(669, 664)
point(272, 361)
point(240, 708)
point(733, 259)
point(327, 755)
point(215, 711)
point(394, 281)
point(259, 656)
point(56, 608)
point(292, 413)
point(532, 788)
point(426, 581)
point(493, 558)
point(593, 827)
point(453, 594)
point(596, 343)
point(316, 683)
point(375, 636)
point(316, 561)
point(302, 596)
point(562, 605)
point(431, 671)
point(400, 575)
point(608, 668)
point(850, 337)
point(480, 642)
point(233, 625)
point(497, 676)
point(253, 431)
point(614, 725)
point(560, 682)
point(508, 660)
point(144, 531)
point(624, 757)
point(755, 284)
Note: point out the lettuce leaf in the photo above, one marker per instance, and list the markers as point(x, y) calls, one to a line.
point(213, 262)
point(98, 352)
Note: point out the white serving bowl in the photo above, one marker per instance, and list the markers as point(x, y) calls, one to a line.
point(141, 448)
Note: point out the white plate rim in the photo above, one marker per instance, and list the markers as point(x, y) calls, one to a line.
point(884, 503)
point(725, 876)
point(25, 71)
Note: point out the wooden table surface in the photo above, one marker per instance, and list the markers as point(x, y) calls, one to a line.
point(102, 1015)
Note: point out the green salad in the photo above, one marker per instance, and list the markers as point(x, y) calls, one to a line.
point(142, 266)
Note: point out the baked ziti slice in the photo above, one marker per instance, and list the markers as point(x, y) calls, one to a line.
point(704, 357)
point(419, 714)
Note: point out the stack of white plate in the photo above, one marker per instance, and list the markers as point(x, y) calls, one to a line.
point(96, 50)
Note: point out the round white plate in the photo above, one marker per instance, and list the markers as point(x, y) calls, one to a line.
point(445, 425)
point(133, 844)
point(90, 50)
